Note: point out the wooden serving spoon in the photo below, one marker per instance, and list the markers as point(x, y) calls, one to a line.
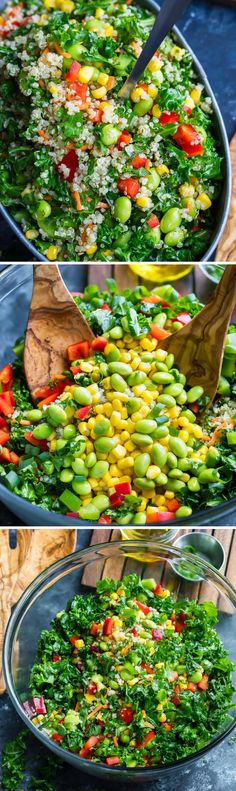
point(198, 348)
point(54, 324)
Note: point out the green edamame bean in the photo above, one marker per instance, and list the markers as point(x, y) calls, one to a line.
point(101, 426)
point(171, 220)
point(114, 354)
point(183, 511)
point(153, 235)
point(60, 444)
point(175, 473)
point(193, 485)
point(123, 369)
point(173, 389)
point(141, 464)
point(153, 180)
point(80, 448)
point(182, 398)
point(194, 394)
point(43, 210)
point(99, 469)
point(160, 432)
point(143, 440)
point(76, 49)
point(174, 237)
point(176, 325)
point(82, 396)
point(144, 483)
point(178, 447)
point(175, 486)
point(189, 415)
point(90, 460)
point(140, 519)
point(67, 461)
point(122, 209)
point(48, 467)
point(161, 480)
point(110, 134)
point(125, 520)
point(104, 444)
point(159, 455)
point(190, 205)
point(162, 378)
point(167, 400)
point(124, 738)
point(170, 361)
point(90, 513)
point(78, 466)
point(55, 415)
point(66, 476)
point(133, 405)
point(145, 426)
point(212, 457)
point(34, 415)
point(160, 319)
point(197, 675)
point(142, 107)
point(81, 487)
point(118, 383)
point(69, 431)
point(101, 502)
point(147, 357)
point(42, 431)
point(172, 460)
point(116, 333)
point(209, 475)
point(184, 465)
point(136, 378)
point(161, 366)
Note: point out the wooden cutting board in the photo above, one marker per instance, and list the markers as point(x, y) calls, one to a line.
point(226, 250)
point(34, 551)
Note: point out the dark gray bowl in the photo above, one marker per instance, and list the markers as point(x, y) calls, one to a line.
point(223, 203)
point(15, 294)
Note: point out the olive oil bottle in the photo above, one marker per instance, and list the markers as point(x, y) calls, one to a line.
point(161, 273)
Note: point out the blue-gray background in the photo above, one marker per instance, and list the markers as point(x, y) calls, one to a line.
point(210, 30)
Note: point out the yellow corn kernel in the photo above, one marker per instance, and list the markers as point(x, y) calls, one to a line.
point(177, 53)
point(152, 91)
point(152, 472)
point(168, 623)
point(89, 697)
point(159, 500)
point(183, 422)
point(185, 477)
point(148, 396)
point(52, 252)
point(99, 13)
point(79, 643)
point(186, 190)
point(203, 201)
point(159, 665)
point(37, 720)
point(143, 202)
point(169, 495)
point(136, 94)
point(195, 95)
point(132, 683)
point(197, 432)
point(124, 463)
point(129, 446)
point(119, 452)
point(91, 249)
point(91, 422)
point(159, 707)
point(107, 410)
point(99, 93)
point(48, 4)
point(89, 446)
point(108, 31)
point(174, 411)
point(124, 413)
point(117, 405)
point(156, 111)
point(184, 435)
point(87, 500)
point(162, 169)
point(67, 6)
point(83, 428)
point(124, 437)
point(189, 102)
point(53, 445)
point(85, 74)
point(155, 64)
point(102, 79)
point(31, 234)
point(182, 686)
point(162, 718)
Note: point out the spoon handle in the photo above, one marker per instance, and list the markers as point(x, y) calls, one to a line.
point(170, 11)
point(224, 295)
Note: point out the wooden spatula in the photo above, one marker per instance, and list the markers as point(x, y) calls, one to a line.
point(226, 250)
point(198, 348)
point(54, 324)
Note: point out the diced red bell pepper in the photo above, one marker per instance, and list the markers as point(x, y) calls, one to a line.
point(74, 639)
point(56, 658)
point(148, 668)
point(3, 423)
point(98, 344)
point(203, 684)
point(158, 590)
point(112, 760)
point(4, 437)
point(7, 403)
point(9, 456)
point(77, 350)
point(182, 616)
point(126, 714)
point(108, 626)
point(168, 117)
point(6, 374)
point(139, 161)
point(143, 607)
point(158, 332)
point(188, 110)
point(173, 504)
point(57, 737)
point(188, 139)
point(123, 488)
point(124, 139)
point(92, 688)
point(39, 705)
point(152, 517)
point(191, 687)
point(116, 500)
point(185, 318)
point(134, 631)
point(105, 307)
point(83, 412)
point(157, 634)
point(72, 515)
point(70, 161)
point(195, 228)
point(105, 520)
point(173, 675)
point(179, 626)
point(97, 117)
point(81, 90)
point(153, 299)
point(75, 369)
point(89, 744)
point(153, 221)
point(129, 186)
point(165, 516)
point(166, 725)
point(195, 407)
point(39, 443)
point(49, 399)
point(72, 74)
point(148, 738)
point(94, 629)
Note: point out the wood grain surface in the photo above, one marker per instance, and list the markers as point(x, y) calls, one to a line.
point(54, 324)
point(35, 550)
point(226, 250)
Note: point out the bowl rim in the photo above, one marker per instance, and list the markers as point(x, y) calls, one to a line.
point(222, 138)
point(19, 611)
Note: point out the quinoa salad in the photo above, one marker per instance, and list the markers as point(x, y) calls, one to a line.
point(127, 676)
point(85, 173)
point(120, 437)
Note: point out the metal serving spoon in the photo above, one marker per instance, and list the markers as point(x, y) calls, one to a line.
point(198, 348)
point(170, 11)
point(54, 323)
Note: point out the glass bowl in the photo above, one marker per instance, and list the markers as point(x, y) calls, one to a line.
point(78, 573)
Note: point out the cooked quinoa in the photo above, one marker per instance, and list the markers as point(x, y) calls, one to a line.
point(85, 173)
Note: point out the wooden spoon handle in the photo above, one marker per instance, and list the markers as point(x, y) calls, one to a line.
point(224, 296)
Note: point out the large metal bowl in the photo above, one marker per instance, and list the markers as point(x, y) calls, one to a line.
point(15, 294)
point(223, 203)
